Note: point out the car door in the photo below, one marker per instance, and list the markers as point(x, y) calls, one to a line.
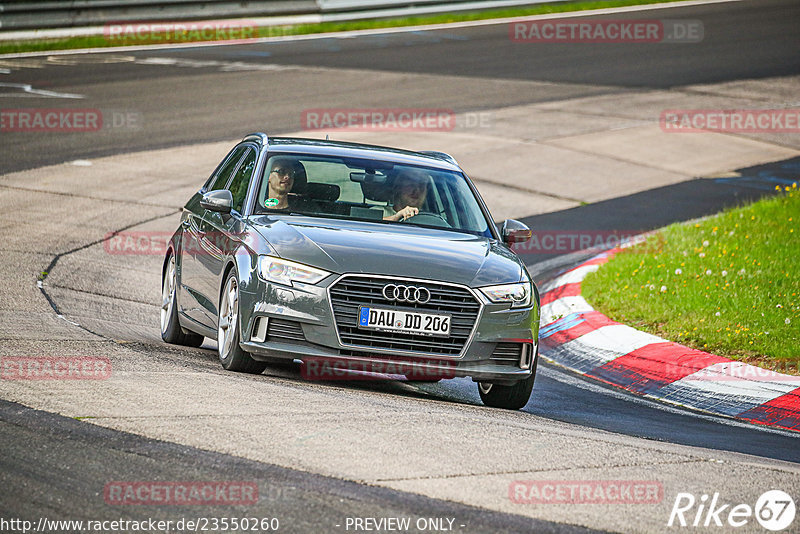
point(194, 302)
point(221, 233)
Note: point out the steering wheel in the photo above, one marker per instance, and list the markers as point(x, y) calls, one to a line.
point(430, 219)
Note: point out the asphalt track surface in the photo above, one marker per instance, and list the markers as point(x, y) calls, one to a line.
point(183, 106)
point(193, 103)
point(304, 502)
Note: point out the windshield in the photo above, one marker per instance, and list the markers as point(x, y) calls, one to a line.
point(379, 191)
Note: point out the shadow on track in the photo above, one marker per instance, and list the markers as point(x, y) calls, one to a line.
point(659, 207)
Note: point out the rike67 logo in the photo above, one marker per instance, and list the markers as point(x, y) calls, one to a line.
point(774, 510)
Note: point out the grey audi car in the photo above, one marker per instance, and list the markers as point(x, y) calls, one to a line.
point(353, 259)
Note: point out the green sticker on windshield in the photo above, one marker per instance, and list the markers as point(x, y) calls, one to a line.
point(271, 202)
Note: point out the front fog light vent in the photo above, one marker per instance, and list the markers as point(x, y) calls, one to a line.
point(526, 358)
point(259, 330)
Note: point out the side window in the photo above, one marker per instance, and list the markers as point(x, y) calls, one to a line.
point(220, 180)
point(241, 180)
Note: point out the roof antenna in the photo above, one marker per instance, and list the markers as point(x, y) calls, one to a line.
point(327, 137)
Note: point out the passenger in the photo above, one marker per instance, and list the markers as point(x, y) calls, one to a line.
point(408, 195)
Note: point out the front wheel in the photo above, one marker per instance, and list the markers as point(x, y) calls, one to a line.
point(171, 330)
point(512, 397)
point(231, 355)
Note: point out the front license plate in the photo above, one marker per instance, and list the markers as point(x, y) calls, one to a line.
point(426, 324)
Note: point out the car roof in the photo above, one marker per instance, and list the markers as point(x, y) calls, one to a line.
point(299, 145)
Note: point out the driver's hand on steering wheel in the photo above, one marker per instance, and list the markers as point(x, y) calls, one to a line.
point(406, 213)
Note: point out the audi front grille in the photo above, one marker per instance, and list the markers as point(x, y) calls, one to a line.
point(350, 292)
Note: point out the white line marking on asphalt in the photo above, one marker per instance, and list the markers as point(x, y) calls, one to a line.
point(23, 63)
point(224, 66)
point(29, 90)
point(67, 320)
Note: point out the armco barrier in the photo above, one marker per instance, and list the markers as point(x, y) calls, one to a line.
point(30, 15)
point(26, 15)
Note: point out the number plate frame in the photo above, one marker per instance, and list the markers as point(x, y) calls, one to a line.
point(362, 321)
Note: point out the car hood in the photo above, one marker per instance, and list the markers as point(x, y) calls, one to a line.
point(390, 249)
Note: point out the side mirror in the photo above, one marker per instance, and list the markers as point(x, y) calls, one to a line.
point(515, 232)
point(220, 201)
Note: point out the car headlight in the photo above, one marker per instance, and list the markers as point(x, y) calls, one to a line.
point(285, 272)
point(518, 295)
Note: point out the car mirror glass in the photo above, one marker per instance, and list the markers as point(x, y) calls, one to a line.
point(220, 201)
point(515, 232)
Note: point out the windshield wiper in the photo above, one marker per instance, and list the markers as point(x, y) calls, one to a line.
point(307, 214)
point(268, 211)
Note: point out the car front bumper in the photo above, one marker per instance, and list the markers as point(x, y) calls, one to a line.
point(300, 323)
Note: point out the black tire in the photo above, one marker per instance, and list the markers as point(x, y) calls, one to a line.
point(512, 397)
point(231, 355)
point(171, 330)
point(190, 339)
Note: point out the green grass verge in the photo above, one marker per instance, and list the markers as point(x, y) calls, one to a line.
point(100, 41)
point(728, 284)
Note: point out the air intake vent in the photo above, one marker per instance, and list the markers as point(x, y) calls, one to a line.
point(507, 353)
point(283, 330)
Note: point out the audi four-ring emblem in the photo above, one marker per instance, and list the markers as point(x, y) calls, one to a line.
point(411, 294)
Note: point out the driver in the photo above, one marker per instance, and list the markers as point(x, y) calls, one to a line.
point(408, 195)
point(285, 184)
